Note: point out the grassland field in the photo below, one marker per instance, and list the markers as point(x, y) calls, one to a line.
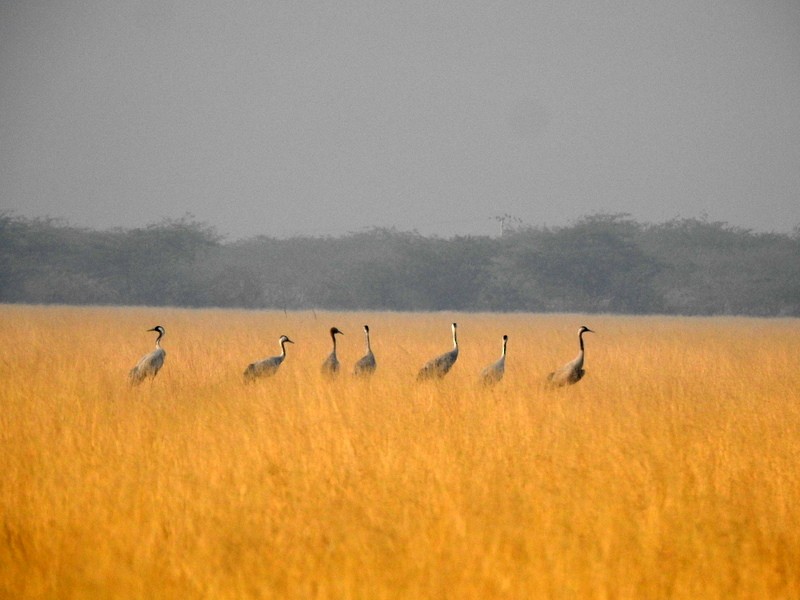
point(672, 470)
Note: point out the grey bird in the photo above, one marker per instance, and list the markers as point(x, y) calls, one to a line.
point(268, 366)
point(366, 364)
point(331, 364)
point(494, 372)
point(150, 363)
point(572, 372)
point(436, 368)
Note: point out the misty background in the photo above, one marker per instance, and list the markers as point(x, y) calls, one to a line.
point(324, 118)
point(601, 263)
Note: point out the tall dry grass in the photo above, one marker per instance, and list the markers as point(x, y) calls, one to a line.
point(671, 470)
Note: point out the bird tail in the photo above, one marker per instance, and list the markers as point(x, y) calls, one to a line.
point(135, 377)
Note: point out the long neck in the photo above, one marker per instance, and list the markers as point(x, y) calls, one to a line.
point(366, 335)
point(455, 339)
point(283, 347)
point(579, 359)
point(158, 341)
point(333, 337)
point(505, 343)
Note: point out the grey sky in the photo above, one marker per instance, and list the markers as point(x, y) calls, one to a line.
point(326, 117)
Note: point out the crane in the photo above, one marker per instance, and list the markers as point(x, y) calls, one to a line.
point(151, 362)
point(366, 364)
point(436, 368)
point(268, 366)
point(494, 372)
point(331, 364)
point(572, 372)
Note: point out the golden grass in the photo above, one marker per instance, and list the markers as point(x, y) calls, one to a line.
point(671, 470)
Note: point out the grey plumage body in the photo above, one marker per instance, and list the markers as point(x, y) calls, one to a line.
point(268, 366)
point(366, 364)
point(331, 364)
point(436, 368)
point(573, 371)
point(494, 372)
point(151, 362)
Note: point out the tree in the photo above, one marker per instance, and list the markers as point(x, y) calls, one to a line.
point(594, 265)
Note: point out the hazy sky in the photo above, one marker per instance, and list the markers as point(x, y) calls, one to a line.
point(326, 117)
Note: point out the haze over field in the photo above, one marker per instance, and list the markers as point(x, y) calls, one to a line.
point(280, 118)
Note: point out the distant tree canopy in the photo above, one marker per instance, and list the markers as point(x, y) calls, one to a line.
point(601, 263)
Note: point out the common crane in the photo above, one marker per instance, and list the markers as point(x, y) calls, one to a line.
point(572, 372)
point(151, 362)
point(436, 368)
point(331, 364)
point(494, 372)
point(268, 366)
point(366, 364)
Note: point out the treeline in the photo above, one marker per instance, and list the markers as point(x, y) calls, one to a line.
point(602, 263)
